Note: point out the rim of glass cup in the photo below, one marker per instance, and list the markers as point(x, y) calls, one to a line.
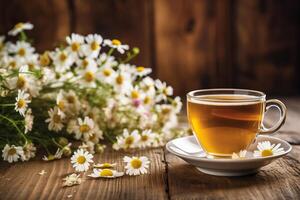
point(200, 94)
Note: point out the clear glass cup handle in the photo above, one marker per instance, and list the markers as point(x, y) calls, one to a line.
point(282, 109)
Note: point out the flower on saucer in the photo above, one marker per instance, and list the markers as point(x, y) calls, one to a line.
point(19, 27)
point(136, 165)
point(73, 179)
point(105, 165)
point(267, 149)
point(106, 173)
point(81, 160)
point(240, 155)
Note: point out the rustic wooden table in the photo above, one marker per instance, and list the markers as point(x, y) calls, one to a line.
point(169, 178)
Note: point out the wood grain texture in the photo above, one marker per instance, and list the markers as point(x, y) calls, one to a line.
point(22, 181)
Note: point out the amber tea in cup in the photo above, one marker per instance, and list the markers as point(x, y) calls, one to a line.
point(227, 120)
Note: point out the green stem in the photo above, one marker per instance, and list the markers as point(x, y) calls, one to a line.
point(23, 36)
point(15, 125)
point(110, 52)
point(57, 143)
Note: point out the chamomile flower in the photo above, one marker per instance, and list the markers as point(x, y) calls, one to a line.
point(116, 44)
point(127, 140)
point(136, 165)
point(122, 82)
point(55, 120)
point(75, 42)
point(72, 179)
point(62, 60)
point(177, 104)
point(22, 50)
point(163, 90)
point(86, 126)
point(86, 62)
point(22, 102)
point(12, 153)
point(93, 46)
point(142, 71)
point(148, 86)
point(88, 146)
point(240, 155)
point(105, 173)
point(61, 103)
point(20, 27)
point(105, 165)
point(147, 138)
point(28, 121)
point(72, 126)
point(267, 149)
point(81, 160)
point(58, 154)
point(107, 74)
point(88, 76)
point(29, 151)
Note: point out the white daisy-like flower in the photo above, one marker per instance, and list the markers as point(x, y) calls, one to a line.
point(142, 71)
point(107, 74)
point(29, 151)
point(267, 149)
point(95, 136)
point(32, 62)
point(11, 62)
point(22, 50)
point(73, 102)
point(22, 101)
point(62, 60)
point(105, 60)
point(106, 173)
point(93, 46)
point(72, 179)
point(127, 140)
point(147, 138)
point(177, 104)
point(81, 160)
point(136, 165)
point(89, 76)
point(105, 165)
point(86, 62)
point(240, 155)
point(61, 103)
point(72, 126)
point(75, 42)
point(116, 44)
point(20, 27)
point(28, 121)
point(122, 82)
point(12, 153)
point(148, 86)
point(86, 126)
point(58, 154)
point(55, 120)
point(163, 90)
point(88, 146)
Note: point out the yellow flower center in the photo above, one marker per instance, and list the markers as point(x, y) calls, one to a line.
point(166, 111)
point(119, 79)
point(147, 100)
point(144, 138)
point(21, 103)
point(136, 163)
point(135, 94)
point(266, 152)
point(62, 57)
point(81, 159)
point(56, 118)
point(92, 137)
point(116, 42)
point(44, 59)
point(84, 128)
point(107, 72)
point(12, 152)
point(89, 76)
point(70, 99)
point(165, 91)
point(106, 165)
point(13, 64)
point(75, 46)
point(140, 69)
point(106, 172)
point(95, 46)
point(129, 140)
point(85, 63)
point(61, 105)
point(21, 82)
point(31, 66)
point(19, 25)
point(22, 52)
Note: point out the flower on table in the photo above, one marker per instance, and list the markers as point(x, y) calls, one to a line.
point(20, 27)
point(22, 101)
point(127, 140)
point(240, 155)
point(106, 173)
point(105, 165)
point(267, 149)
point(81, 160)
point(55, 120)
point(12, 153)
point(58, 154)
point(136, 165)
point(116, 44)
point(70, 180)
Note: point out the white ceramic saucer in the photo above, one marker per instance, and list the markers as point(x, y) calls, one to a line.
point(187, 148)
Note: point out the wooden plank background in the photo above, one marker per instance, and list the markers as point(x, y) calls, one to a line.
point(191, 44)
